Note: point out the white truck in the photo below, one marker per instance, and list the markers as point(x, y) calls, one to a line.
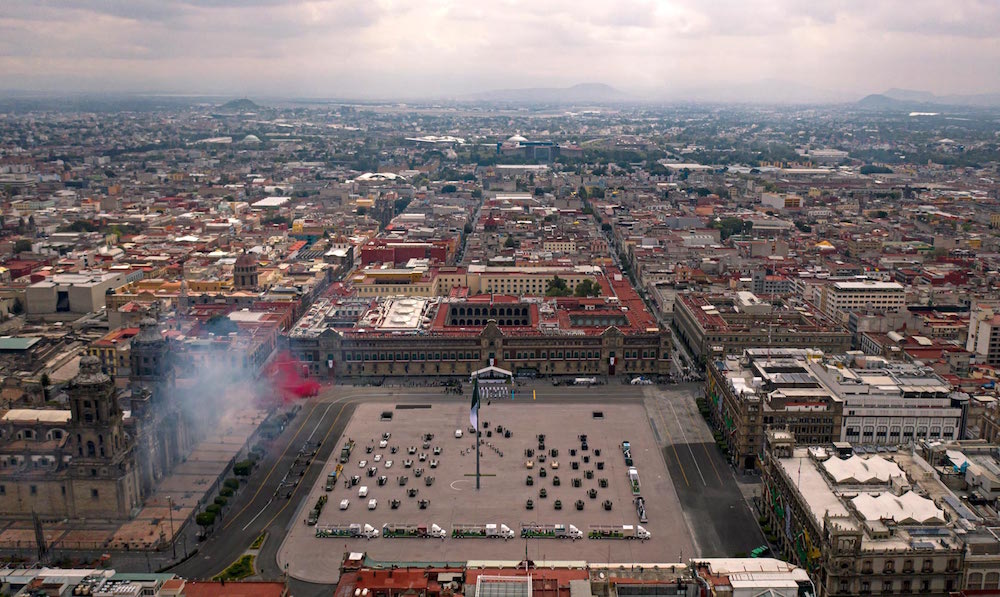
point(621, 531)
point(418, 531)
point(633, 480)
point(585, 381)
point(355, 530)
point(550, 531)
point(482, 531)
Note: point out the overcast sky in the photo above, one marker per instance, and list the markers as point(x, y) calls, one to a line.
point(442, 48)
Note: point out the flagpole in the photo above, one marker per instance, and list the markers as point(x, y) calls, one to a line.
point(475, 392)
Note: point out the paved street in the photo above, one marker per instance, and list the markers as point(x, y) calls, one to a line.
point(709, 491)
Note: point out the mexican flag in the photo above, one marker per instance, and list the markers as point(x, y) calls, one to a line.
point(474, 409)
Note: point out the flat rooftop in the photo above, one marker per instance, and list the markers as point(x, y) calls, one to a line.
point(865, 493)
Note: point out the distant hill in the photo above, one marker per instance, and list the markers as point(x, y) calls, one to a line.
point(878, 101)
point(910, 95)
point(241, 105)
point(582, 93)
point(904, 99)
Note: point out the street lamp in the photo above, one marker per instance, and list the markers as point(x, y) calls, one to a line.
point(170, 515)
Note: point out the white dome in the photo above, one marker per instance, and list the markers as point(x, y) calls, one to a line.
point(517, 139)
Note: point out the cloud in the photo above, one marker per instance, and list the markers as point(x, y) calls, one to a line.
point(447, 47)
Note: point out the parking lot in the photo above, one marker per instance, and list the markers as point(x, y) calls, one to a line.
point(452, 498)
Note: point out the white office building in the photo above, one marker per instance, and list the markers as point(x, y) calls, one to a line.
point(839, 299)
point(889, 403)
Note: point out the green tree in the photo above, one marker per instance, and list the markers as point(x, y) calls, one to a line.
point(872, 169)
point(557, 287)
point(584, 288)
point(204, 519)
point(46, 382)
point(400, 204)
point(449, 188)
point(22, 245)
point(362, 210)
point(730, 226)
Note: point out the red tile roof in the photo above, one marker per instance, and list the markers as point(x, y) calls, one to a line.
point(234, 589)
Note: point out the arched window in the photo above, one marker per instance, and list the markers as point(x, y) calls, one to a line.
point(91, 450)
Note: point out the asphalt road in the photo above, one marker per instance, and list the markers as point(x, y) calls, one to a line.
point(256, 508)
point(719, 515)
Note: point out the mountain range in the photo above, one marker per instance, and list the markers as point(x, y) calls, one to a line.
point(907, 99)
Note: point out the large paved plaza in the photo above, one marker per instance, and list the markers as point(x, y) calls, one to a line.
point(452, 498)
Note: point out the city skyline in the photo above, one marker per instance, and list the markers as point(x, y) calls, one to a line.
point(782, 50)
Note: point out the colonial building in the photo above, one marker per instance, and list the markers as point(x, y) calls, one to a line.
point(821, 398)
point(158, 422)
point(714, 324)
point(79, 463)
point(875, 525)
point(245, 273)
point(454, 337)
point(769, 388)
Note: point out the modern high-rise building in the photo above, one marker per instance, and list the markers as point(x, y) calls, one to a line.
point(839, 299)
